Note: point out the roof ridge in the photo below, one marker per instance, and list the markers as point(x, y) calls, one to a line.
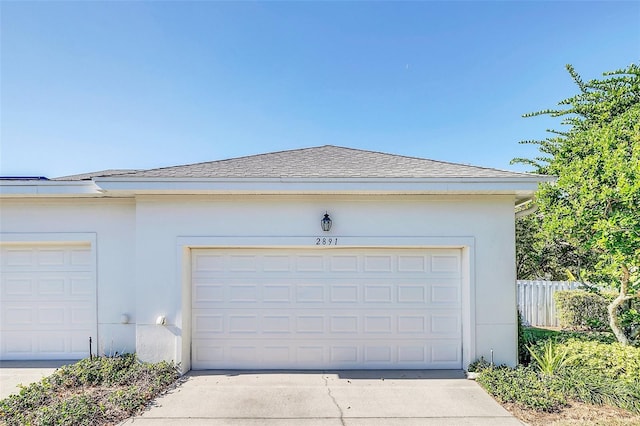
point(326, 146)
point(324, 161)
point(228, 159)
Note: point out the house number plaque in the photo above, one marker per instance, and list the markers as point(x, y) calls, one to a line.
point(324, 241)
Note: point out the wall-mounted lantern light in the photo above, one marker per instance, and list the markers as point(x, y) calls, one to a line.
point(326, 222)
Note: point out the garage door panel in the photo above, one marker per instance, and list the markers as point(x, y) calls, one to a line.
point(344, 264)
point(16, 286)
point(350, 308)
point(228, 324)
point(234, 292)
point(340, 354)
point(380, 323)
point(444, 352)
point(444, 324)
point(45, 257)
point(445, 293)
point(48, 303)
point(18, 343)
point(305, 264)
point(38, 345)
point(377, 293)
point(444, 261)
point(46, 285)
point(275, 293)
point(45, 315)
point(18, 257)
point(412, 263)
point(310, 294)
point(16, 316)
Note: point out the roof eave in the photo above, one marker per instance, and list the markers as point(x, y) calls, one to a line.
point(522, 187)
point(517, 185)
point(48, 188)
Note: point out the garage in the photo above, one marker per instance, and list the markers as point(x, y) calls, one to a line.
point(48, 301)
point(326, 308)
point(324, 257)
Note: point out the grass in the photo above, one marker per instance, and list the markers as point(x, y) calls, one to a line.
point(540, 335)
point(99, 391)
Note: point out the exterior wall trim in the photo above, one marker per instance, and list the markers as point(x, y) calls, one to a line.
point(48, 188)
point(50, 237)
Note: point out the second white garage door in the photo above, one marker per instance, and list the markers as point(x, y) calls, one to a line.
point(326, 308)
point(47, 301)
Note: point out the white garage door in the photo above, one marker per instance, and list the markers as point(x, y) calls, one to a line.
point(326, 309)
point(48, 301)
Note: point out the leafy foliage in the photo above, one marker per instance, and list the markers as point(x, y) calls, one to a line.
point(598, 103)
point(551, 358)
point(90, 392)
point(616, 361)
point(593, 387)
point(75, 410)
point(537, 336)
point(523, 353)
point(522, 386)
point(541, 258)
point(594, 207)
point(596, 370)
point(479, 365)
point(581, 310)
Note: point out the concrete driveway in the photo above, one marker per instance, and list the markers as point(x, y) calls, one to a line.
point(357, 398)
point(14, 373)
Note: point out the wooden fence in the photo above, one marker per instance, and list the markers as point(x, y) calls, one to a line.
point(535, 301)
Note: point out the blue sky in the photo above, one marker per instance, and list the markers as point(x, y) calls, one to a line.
point(88, 86)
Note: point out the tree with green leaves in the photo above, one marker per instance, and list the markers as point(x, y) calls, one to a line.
point(540, 258)
point(594, 207)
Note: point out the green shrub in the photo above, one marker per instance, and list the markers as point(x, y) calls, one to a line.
point(581, 310)
point(612, 360)
point(98, 371)
point(95, 391)
point(535, 338)
point(522, 386)
point(479, 365)
point(529, 389)
point(523, 353)
point(76, 410)
point(129, 399)
point(585, 336)
point(588, 367)
point(593, 387)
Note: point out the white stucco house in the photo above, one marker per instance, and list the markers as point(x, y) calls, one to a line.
point(226, 265)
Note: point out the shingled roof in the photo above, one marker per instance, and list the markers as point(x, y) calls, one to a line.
point(91, 175)
point(323, 162)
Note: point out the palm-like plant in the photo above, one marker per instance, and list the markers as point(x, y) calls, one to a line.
point(551, 359)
